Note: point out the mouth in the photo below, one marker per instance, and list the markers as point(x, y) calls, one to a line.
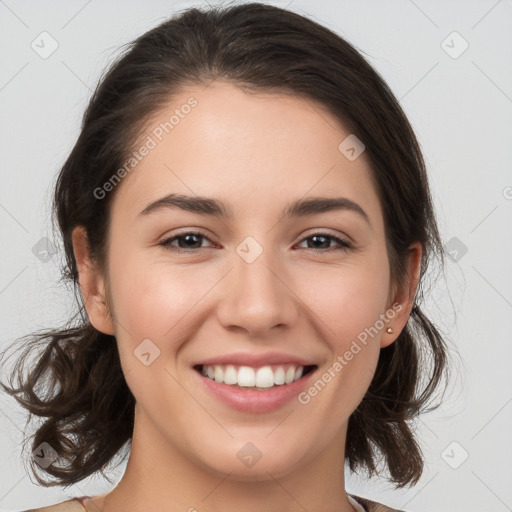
point(248, 378)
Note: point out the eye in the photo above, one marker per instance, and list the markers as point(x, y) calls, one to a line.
point(320, 239)
point(190, 240)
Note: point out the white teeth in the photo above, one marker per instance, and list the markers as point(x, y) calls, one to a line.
point(246, 377)
point(279, 376)
point(264, 377)
point(290, 373)
point(230, 375)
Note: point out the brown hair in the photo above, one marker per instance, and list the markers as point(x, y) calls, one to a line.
point(87, 407)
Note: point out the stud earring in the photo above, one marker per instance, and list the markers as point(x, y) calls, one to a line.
point(389, 330)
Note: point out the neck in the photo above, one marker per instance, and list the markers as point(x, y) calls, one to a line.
point(160, 477)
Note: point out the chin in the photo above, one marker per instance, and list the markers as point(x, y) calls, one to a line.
point(261, 471)
point(246, 462)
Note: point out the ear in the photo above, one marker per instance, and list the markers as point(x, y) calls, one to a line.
point(402, 297)
point(92, 284)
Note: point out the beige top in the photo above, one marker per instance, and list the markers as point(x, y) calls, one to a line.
point(364, 504)
point(66, 506)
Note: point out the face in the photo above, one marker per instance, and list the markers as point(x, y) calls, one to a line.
point(276, 291)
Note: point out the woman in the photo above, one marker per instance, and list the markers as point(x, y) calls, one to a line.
point(245, 370)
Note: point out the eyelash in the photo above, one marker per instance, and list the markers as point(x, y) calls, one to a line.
point(343, 244)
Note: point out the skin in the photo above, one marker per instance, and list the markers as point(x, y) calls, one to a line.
point(256, 152)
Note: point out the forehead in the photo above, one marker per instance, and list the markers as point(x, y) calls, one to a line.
point(255, 151)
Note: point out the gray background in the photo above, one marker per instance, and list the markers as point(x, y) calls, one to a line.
point(460, 107)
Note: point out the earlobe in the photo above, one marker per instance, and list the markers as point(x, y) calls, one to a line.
point(403, 300)
point(92, 284)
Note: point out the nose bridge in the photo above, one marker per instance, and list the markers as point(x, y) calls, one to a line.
point(257, 297)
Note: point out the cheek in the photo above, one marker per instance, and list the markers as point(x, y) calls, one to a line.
point(153, 301)
point(347, 299)
point(153, 297)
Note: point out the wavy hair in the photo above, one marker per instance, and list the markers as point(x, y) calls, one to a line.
point(259, 48)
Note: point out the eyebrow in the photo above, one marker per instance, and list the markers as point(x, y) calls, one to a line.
point(216, 208)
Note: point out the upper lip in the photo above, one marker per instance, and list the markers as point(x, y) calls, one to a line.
point(256, 360)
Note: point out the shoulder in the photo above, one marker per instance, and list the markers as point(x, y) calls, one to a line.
point(66, 506)
point(373, 506)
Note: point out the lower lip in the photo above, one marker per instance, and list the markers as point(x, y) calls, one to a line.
point(254, 400)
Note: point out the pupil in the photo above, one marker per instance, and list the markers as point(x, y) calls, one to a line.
point(190, 238)
point(317, 237)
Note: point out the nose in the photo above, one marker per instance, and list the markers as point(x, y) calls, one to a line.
point(258, 296)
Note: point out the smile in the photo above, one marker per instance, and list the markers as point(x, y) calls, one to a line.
point(251, 378)
point(254, 389)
